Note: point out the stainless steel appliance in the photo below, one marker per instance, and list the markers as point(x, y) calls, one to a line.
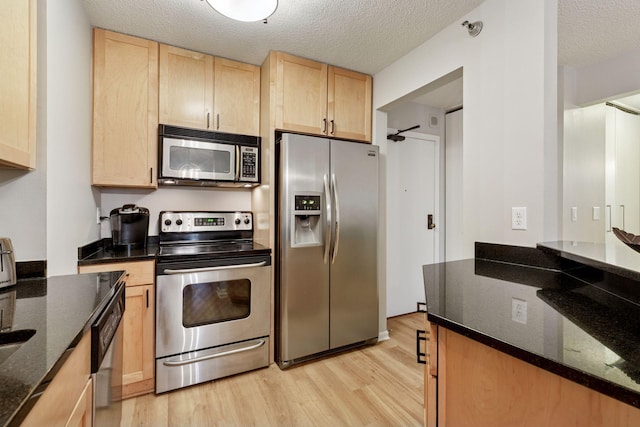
point(129, 226)
point(197, 157)
point(326, 261)
point(106, 360)
point(7, 263)
point(213, 298)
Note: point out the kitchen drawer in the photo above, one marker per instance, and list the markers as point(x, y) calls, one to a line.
point(139, 273)
point(210, 364)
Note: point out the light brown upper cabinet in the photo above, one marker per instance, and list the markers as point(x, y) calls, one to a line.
point(18, 71)
point(349, 104)
point(236, 97)
point(205, 92)
point(315, 98)
point(125, 110)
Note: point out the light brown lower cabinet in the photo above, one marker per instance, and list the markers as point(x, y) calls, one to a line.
point(139, 325)
point(138, 358)
point(68, 399)
point(481, 386)
point(82, 415)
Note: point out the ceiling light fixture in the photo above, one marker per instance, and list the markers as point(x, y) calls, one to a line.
point(245, 10)
point(474, 28)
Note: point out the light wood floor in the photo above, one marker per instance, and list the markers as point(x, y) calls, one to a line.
point(380, 385)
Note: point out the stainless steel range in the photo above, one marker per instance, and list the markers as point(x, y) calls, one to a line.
point(213, 296)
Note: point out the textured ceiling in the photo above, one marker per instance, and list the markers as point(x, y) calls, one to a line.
point(591, 31)
point(362, 35)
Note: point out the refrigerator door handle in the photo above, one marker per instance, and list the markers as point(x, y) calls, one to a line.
point(327, 233)
point(336, 241)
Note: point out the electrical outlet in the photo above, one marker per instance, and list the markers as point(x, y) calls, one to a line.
point(519, 310)
point(574, 214)
point(518, 218)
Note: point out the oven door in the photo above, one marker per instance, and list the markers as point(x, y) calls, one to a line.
point(199, 160)
point(204, 307)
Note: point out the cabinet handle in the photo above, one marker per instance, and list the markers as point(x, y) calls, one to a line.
point(333, 127)
point(147, 298)
point(609, 210)
point(324, 125)
point(208, 116)
point(150, 175)
point(420, 356)
point(217, 121)
point(622, 211)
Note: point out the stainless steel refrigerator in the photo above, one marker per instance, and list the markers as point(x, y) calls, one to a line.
point(326, 266)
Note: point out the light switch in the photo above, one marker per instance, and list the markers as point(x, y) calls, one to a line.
point(574, 214)
point(596, 213)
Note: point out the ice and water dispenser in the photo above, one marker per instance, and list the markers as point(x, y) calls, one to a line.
point(305, 218)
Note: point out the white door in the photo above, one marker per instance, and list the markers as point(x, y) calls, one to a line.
point(412, 183)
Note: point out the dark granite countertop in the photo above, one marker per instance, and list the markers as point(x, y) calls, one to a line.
point(103, 252)
point(60, 310)
point(613, 256)
point(573, 325)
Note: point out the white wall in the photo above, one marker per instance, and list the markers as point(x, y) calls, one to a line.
point(454, 241)
point(584, 173)
point(71, 202)
point(510, 126)
point(173, 198)
point(604, 80)
point(410, 114)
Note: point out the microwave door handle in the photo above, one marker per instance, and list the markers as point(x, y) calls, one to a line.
point(237, 163)
point(205, 269)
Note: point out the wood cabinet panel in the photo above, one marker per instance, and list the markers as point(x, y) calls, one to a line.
point(56, 405)
point(138, 324)
point(18, 85)
point(82, 415)
point(186, 88)
point(478, 385)
point(125, 110)
point(315, 98)
point(301, 98)
point(138, 360)
point(138, 272)
point(431, 376)
point(349, 104)
point(236, 97)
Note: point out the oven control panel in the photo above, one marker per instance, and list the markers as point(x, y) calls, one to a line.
point(191, 222)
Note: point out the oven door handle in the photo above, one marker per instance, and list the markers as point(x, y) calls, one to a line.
point(223, 267)
point(212, 356)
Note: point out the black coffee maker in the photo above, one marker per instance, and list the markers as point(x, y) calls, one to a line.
point(129, 226)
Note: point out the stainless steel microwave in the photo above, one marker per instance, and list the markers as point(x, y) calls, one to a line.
point(197, 157)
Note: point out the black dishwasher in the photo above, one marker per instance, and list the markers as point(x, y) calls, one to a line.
point(106, 361)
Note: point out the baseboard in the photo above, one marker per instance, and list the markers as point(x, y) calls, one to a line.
point(383, 336)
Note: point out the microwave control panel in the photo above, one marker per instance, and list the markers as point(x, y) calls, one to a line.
point(249, 164)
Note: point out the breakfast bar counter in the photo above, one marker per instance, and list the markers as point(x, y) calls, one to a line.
point(545, 313)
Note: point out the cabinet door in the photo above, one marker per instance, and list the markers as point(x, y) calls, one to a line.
point(301, 95)
point(18, 24)
point(138, 360)
point(349, 104)
point(82, 415)
point(125, 110)
point(236, 97)
point(186, 88)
